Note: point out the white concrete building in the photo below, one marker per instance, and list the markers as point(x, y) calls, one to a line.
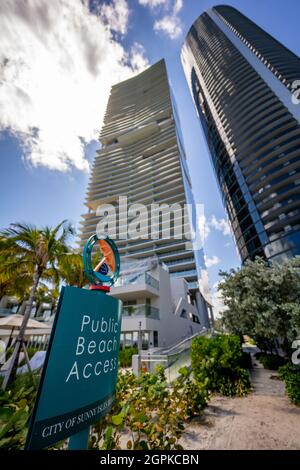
point(37, 338)
point(10, 305)
point(155, 305)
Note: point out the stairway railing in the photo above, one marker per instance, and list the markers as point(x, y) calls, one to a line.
point(171, 359)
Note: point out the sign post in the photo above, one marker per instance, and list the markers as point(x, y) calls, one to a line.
point(79, 377)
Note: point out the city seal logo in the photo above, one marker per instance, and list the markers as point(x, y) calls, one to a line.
point(107, 269)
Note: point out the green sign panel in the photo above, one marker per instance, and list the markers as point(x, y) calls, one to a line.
point(79, 377)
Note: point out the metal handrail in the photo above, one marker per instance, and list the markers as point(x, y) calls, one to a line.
point(185, 340)
point(174, 357)
point(168, 352)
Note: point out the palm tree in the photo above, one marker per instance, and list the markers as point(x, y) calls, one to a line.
point(40, 250)
point(42, 295)
point(71, 270)
point(54, 295)
point(15, 278)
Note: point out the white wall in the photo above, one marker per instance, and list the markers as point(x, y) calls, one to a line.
point(171, 328)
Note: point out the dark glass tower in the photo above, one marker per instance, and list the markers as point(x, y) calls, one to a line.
point(241, 80)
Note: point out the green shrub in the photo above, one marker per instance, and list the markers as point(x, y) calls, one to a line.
point(192, 396)
point(270, 361)
point(15, 408)
point(8, 353)
point(149, 413)
point(291, 375)
point(218, 364)
point(31, 352)
point(125, 355)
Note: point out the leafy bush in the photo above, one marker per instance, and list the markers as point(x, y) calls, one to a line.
point(270, 361)
point(218, 364)
point(148, 414)
point(31, 352)
point(147, 411)
point(192, 396)
point(291, 375)
point(8, 353)
point(263, 301)
point(15, 408)
point(125, 355)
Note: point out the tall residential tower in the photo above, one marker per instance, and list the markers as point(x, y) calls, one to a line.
point(241, 80)
point(142, 158)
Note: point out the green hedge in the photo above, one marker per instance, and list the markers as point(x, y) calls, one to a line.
point(291, 375)
point(125, 355)
point(150, 413)
point(146, 410)
point(30, 351)
point(218, 363)
point(270, 361)
point(15, 407)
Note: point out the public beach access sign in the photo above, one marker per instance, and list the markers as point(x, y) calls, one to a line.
point(79, 377)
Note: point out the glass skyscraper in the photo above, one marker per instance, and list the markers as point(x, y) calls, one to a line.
point(241, 80)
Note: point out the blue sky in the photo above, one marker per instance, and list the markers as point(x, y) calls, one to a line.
point(58, 73)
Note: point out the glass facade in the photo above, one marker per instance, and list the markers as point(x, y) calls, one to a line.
point(254, 140)
point(130, 339)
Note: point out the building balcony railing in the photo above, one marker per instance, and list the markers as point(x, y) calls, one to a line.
point(151, 281)
point(180, 262)
point(6, 311)
point(141, 311)
point(188, 273)
point(138, 278)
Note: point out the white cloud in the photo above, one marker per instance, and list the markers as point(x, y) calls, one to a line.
point(57, 64)
point(204, 285)
point(116, 14)
point(203, 228)
point(169, 24)
point(154, 3)
point(222, 225)
point(218, 305)
point(213, 261)
point(206, 225)
point(217, 300)
point(177, 6)
point(137, 57)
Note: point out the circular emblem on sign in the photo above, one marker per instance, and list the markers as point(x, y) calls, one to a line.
point(103, 271)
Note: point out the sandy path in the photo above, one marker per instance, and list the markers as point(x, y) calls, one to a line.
point(263, 420)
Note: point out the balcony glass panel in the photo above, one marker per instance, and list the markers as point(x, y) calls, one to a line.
point(137, 278)
point(141, 311)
